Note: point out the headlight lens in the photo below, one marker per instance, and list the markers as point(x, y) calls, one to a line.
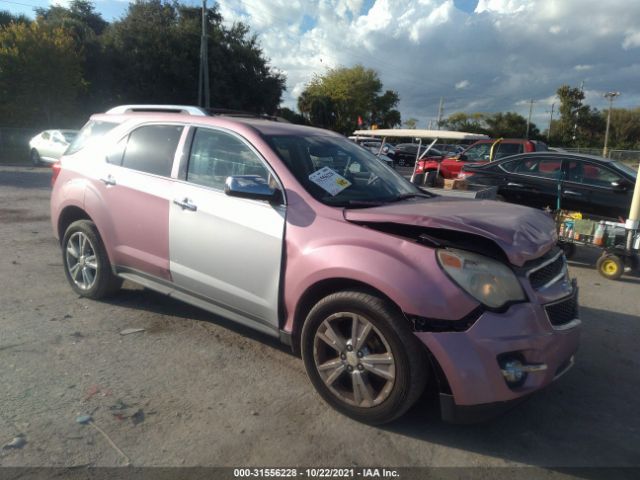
point(488, 281)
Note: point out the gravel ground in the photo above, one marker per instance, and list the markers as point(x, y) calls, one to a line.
point(193, 389)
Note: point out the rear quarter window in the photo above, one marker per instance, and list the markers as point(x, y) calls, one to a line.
point(93, 130)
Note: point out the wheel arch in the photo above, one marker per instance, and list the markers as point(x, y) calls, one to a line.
point(73, 213)
point(314, 293)
point(68, 215)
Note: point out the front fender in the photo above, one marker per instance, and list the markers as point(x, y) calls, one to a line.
point(404, 271)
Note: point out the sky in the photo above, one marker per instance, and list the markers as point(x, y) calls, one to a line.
point(477, 55)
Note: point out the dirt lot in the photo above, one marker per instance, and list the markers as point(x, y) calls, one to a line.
point(194, 390)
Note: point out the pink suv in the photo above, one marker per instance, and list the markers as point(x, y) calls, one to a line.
point(303, 235)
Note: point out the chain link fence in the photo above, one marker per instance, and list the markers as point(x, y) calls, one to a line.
point(14, 144)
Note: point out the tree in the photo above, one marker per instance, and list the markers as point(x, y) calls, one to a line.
point(154, 58)
point(578, 125)
point(510, 125)
point(464, 122)
point(411, 123)
point(624, 131)
point(85, 26)
point(291, 116)
point(40, 75)
point(80, 18)
point(7, 17)
point(336, 99)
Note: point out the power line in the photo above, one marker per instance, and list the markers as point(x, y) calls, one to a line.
point(22, 4)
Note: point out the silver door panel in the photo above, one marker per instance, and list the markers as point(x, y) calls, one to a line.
point(228, 250)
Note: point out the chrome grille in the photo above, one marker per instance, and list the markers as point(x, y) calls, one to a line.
point(563, 312)
point(548, 272)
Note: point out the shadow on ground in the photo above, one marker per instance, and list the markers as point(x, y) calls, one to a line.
point(154, 302)
point(588, 418)
point(27, 177)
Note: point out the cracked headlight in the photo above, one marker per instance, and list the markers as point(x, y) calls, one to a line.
point(485, 279)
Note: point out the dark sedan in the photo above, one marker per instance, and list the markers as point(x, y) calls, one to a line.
point(406, 153)
point(592, 185)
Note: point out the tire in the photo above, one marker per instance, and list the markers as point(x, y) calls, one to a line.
point(568, 248)
point(85, 261)
point(348, 382)
point(499, 198)
point(610, 266)
point(35, 158)
point(418, 179)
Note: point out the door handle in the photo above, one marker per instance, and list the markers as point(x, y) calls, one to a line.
point(185, 204)
point(109, 180)
point(571, 193)
point(512, 184)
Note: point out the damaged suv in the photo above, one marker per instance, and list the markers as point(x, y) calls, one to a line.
point(303, 235)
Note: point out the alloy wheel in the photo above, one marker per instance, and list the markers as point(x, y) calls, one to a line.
point(81, 260)
point(354, 360)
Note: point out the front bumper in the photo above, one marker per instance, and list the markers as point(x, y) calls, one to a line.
point(469, 359)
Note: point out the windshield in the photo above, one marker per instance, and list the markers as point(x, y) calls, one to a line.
point(338, 172)
point(626, 168)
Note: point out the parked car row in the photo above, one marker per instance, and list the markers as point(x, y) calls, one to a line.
point(592, 185)
point(305, 236)
point(405, 154)
point(480, 151)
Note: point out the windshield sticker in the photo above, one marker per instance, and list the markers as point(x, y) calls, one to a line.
point(329, 181)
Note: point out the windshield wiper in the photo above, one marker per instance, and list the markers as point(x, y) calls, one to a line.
point(406, 196)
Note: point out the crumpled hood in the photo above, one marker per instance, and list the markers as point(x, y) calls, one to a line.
point(523, 233)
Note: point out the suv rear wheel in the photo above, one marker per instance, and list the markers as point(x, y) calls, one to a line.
point(362, 357)
point(85, 260)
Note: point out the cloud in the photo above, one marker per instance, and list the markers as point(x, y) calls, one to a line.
point(509, 50)
point(631, 40)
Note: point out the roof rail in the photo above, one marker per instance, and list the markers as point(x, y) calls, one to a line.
point(188, 109)
point(229, 112)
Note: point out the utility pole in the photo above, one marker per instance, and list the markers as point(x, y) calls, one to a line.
point(440, 110)
point(610, 96)
point(203, 76)
point(529, 119)
point(550, 120)
point(430, 124)
point(575, 125)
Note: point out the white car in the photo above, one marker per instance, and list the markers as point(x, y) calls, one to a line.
point(48, 146)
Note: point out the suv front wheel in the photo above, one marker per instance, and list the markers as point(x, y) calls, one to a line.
point(85, 260)
point(362, 357)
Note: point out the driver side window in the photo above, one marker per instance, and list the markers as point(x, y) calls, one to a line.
point(217, 155)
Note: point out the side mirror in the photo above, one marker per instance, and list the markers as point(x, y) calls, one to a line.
point(250, 186)
point(462, 158)
point(619, 186)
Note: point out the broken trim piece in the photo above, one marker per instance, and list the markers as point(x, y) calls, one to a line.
point(436, 325)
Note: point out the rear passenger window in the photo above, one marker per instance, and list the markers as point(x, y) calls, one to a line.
point(151, 149)
point(507, 149)
point(549, 167)
point(217, 155)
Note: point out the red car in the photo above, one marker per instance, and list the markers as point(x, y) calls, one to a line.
point(480, 152)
